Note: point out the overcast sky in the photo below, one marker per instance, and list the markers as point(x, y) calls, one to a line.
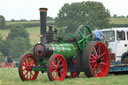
point(29, 9)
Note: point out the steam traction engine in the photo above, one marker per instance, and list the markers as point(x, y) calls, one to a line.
point(73, 54)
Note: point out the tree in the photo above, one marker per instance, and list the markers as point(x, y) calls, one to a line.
point(17, 41)
point(18, 46)
point(1, 44)
point(90, 13)
point(49, 18)
point(115, 16)
point(2, 22)
point(18, 31)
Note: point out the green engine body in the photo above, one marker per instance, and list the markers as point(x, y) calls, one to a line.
point(68, 50)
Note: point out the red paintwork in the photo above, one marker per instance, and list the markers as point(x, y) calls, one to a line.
point(55, 63)
point(26, 69)
point(101, 68)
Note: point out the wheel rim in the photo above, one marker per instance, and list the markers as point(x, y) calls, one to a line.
point(26, 69)
point(82, 36)
point(73, 75)
point(58, 68)
point(99, 60)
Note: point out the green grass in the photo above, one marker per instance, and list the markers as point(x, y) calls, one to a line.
point(34, 32)
point(25, 22)
point(9, 76)
point(119, 21)
point(112, 21)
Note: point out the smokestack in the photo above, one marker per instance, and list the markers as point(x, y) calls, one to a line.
point(43, 17)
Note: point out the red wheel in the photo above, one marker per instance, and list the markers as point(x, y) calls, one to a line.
point(96, 60)
point(73, 75)
point(25, 70)
point(57, 67)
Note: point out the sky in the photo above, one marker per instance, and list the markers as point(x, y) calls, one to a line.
point(29, 9)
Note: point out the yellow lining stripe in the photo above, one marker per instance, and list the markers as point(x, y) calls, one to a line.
point(62, 48)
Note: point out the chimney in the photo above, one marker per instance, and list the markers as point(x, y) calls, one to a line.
point(43, 26)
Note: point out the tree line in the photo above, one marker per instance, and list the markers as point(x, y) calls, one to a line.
point(17, 42)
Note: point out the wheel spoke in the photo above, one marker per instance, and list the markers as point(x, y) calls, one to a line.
point(25, 62)
point(61, 65)
point(81, 34)
point(93, 61)
point(88, 36)
point(98, 50)
point(102, 55)
point(102, 63)
point(93, 67)
point(92, 64)
point(58, 61)
point(26, 73)
point(95, 72)
point(31, 73)
point(80, 41)
point(95, 51)
point(84, 30)
point(84, 44)
point(100, 69)
point(53, 72)
point(54, 66)
point(56, 75)
point(93, 57)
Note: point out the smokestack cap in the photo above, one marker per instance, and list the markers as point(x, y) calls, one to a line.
point(43, 9)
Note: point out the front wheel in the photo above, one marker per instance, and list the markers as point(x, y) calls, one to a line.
point(57, 67)
point(25, 70)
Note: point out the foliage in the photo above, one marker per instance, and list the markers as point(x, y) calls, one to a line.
point(49, 18)
point(33, 34)
point(28, 24)
point(1, 45)
point(18, 46)
point(2, 22)
point(17, 42)
point(17, 31)
point(61, 32)
point(91, 13)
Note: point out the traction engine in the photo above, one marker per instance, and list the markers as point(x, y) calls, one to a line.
point(67, 57)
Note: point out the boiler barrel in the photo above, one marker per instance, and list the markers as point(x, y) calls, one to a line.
point(67, 50)
point(46, 50)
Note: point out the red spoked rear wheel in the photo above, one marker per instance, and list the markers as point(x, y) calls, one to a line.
point(25, 70)
point(73, 75)
point(57, 67)
point(97, 60)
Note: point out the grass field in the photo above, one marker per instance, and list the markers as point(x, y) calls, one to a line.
point(26, 22)
point(118, 21)
point(9, 76)
point(33, 31)
point(112, 21)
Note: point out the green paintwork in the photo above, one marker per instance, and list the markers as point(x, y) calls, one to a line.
point(67, 50)
point(84, 34)
point(39, 69)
